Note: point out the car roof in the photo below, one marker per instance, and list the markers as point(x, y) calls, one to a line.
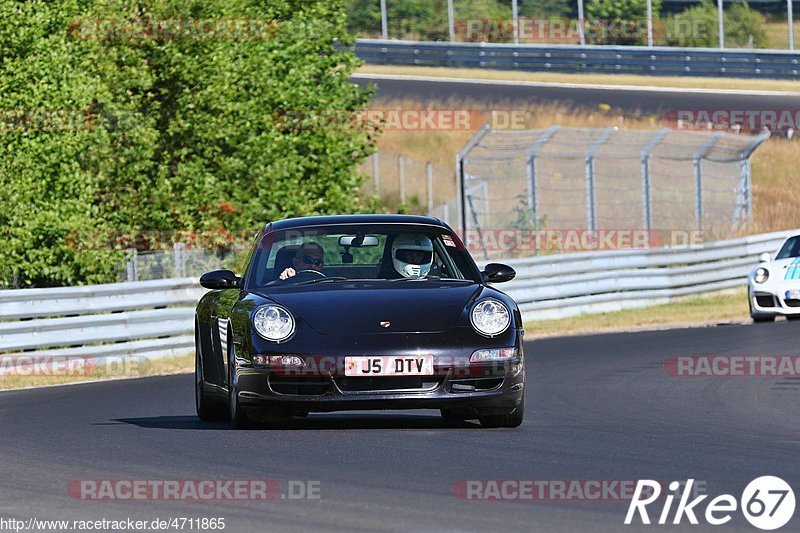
point(352, 219)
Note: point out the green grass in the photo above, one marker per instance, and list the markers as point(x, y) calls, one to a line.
point(689, 311)
point(129, 368)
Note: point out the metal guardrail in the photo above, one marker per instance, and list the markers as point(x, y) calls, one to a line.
point(143, 319)
point(559, 286)
point(151, 319)
point(661, 61)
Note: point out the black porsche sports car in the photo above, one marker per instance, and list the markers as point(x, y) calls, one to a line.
point(359, 312)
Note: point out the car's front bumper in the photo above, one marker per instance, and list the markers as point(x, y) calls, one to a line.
point(771, 300)
point(487, 389)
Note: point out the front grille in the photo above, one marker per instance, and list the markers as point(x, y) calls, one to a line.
point(765, 300)
point(475, 384)
point(294, 386)
point(391, 383)
point(792, 303)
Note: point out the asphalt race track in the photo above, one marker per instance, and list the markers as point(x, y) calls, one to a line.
point(626, 101)
point(598, 408)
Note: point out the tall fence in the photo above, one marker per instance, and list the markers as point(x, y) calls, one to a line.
point(602, 179)
point(156, 318)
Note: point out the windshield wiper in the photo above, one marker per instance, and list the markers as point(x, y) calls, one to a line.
point(321, 280)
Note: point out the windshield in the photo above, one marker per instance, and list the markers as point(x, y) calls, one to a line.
point(359, 252)
point(791, 248)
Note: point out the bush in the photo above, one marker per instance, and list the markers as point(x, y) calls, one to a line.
point(698, 27)
point(173, 134)
point(619, 22)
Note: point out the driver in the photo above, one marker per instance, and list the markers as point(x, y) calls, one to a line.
point(412, 255)
point(308, 257)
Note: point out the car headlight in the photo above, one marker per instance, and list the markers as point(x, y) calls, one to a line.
point(273, 322)
point(762, 275)
point(493, 354)
point(490, 317)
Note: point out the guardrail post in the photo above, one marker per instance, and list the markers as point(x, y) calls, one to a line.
point(790, 17)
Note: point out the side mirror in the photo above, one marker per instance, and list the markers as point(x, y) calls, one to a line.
point(764, 258)
point(220, 279)
point(498, 273)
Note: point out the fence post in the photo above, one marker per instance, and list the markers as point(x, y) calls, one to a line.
point(647, 212)
point(376, 180)
point(790, 16)
point(401, 171)
point(180, 263)
point(697, 161)
point(462, 219)
point(429, 173)
point(531, 169)
point(591, 201)
point(133, 265)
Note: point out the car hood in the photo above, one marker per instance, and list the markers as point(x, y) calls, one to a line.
point(359, 308)
point(786, 269)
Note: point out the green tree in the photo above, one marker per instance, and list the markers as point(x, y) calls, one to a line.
point(697, 27)
point(620, 22)
point(184, 132)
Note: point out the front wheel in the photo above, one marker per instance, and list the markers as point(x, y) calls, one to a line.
point(238, 418)
point(207, 409)
point(511, 420)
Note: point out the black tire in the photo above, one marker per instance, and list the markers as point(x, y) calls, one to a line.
point(511, 420)
point(792, 317)
point(237, 416)
point(208, 408)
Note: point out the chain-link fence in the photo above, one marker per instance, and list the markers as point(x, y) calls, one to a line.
point(181, 262)
point(604, 179)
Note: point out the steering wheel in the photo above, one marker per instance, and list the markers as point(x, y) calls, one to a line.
point(316, 273)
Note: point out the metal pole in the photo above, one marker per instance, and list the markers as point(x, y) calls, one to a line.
point(698, 193)
point(532, 185)
point(721, 25)
point(376, 180)
point(451, 23)
point(647, 210)
point(515, 16)
point(650, 23)
point(384, 23)
point(790, 16)
point(591, 216)
point(429, 172)
point(401, 170)
point(581, 33)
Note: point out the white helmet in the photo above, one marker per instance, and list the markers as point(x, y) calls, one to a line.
point(409, 242)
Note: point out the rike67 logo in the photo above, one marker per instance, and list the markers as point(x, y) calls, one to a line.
point(767, 503)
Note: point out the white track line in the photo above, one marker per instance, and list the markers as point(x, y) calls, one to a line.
point(587, 86)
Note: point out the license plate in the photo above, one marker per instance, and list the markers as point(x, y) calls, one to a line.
point(793, 295)
point(416, 365)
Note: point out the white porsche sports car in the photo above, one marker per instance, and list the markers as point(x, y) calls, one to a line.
point(774, 287)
